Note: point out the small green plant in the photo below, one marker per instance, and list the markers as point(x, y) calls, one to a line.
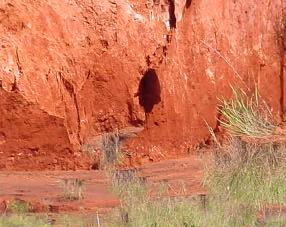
point(246, 115)
point(72, 189)
point(18, 206)
point(126, 184)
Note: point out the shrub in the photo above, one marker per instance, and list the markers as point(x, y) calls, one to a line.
point(105, 149)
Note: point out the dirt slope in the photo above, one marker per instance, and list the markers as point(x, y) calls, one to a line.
point(72, 70)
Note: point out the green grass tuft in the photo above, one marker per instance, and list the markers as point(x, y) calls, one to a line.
point(246, 116)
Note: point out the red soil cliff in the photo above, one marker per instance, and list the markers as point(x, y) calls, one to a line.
point(72, 70)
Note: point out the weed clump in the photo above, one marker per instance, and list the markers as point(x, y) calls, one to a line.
point(105, 149)
point(110, 147)
point(138, 208)
point(246, 115)
point(22, 221)
point(72, 189)
point(248, 173)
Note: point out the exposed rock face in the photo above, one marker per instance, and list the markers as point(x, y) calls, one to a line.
point(72, 70)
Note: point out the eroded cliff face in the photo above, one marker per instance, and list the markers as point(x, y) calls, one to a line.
point(72, 70)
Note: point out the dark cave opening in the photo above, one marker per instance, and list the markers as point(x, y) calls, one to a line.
point(172, 16)
point(188, 3)
point(149, 90)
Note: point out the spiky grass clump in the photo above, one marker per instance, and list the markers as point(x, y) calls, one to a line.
point(250, 173)
point(246, 116)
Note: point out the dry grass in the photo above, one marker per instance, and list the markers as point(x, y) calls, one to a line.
point(18, 207)
point(246, 115)
point(249, 173)
point(105, 149)
point(73, 189)
point(245, 177)
point(138, 208)
point(110, 147)
point(23, 221)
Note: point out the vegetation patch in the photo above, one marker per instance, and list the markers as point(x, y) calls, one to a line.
point(18, 206)
point(73, 189)
point(246, 115)
point(22, 221)
point(246, 176)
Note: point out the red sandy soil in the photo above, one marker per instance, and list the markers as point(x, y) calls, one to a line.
point(72, 70)
point(42, 190)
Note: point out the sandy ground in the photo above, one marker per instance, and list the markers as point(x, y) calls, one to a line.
point(43, 190)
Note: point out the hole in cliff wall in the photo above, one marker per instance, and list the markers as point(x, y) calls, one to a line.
point(172, 15)
point(188, 3)
point(149, 90)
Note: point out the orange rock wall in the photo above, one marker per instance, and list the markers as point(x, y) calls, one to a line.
point(72, 70)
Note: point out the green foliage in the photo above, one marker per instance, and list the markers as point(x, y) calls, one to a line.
point(139, 209)
point(22, 221)
point(19, 207)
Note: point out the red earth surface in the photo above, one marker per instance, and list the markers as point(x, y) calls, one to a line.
point(44, 193)
point(73, 70)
